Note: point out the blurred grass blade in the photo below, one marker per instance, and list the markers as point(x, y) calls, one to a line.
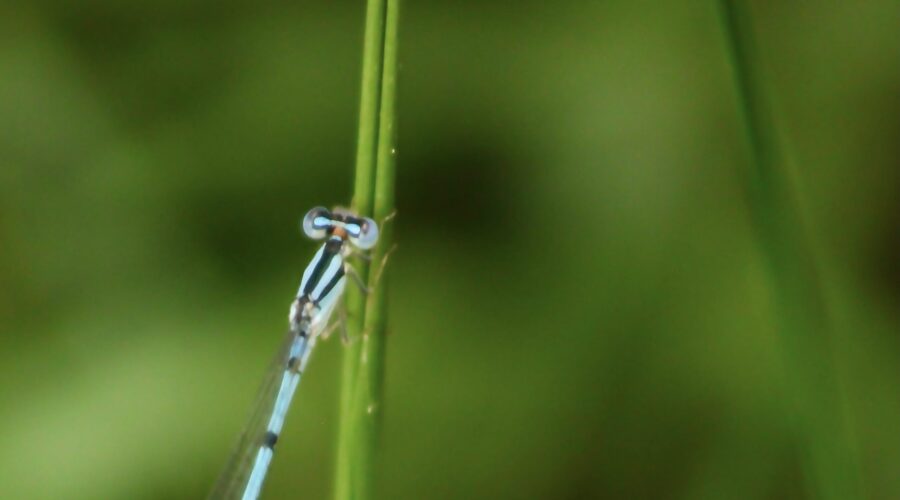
point(828, 455)
point(361, 393)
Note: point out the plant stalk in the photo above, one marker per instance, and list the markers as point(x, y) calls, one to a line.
point(362, 384)
point(814, 395)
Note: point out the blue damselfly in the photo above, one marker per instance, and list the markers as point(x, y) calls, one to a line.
point(320, 290)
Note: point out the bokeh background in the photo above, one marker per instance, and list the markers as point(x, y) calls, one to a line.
point(579, 306)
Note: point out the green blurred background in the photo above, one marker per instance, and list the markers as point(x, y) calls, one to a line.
point(579, 307)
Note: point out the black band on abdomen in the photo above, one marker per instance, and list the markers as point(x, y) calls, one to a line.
point(270, 440)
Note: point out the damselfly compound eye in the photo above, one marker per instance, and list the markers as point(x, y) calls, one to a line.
point(368, 234)
point(316, 223)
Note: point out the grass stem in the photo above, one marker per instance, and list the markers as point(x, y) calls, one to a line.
point(813, 391)
point(362, 384)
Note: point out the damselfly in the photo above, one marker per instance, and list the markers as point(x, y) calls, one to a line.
point(320, 289)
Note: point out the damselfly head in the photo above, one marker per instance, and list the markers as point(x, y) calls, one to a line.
point(361, 231)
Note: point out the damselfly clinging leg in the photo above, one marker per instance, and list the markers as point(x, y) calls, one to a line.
point(320, 289)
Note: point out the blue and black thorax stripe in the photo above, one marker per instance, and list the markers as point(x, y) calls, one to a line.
point(324, 272)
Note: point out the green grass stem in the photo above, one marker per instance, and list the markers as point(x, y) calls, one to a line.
point(813, 390)
point(363, 374)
